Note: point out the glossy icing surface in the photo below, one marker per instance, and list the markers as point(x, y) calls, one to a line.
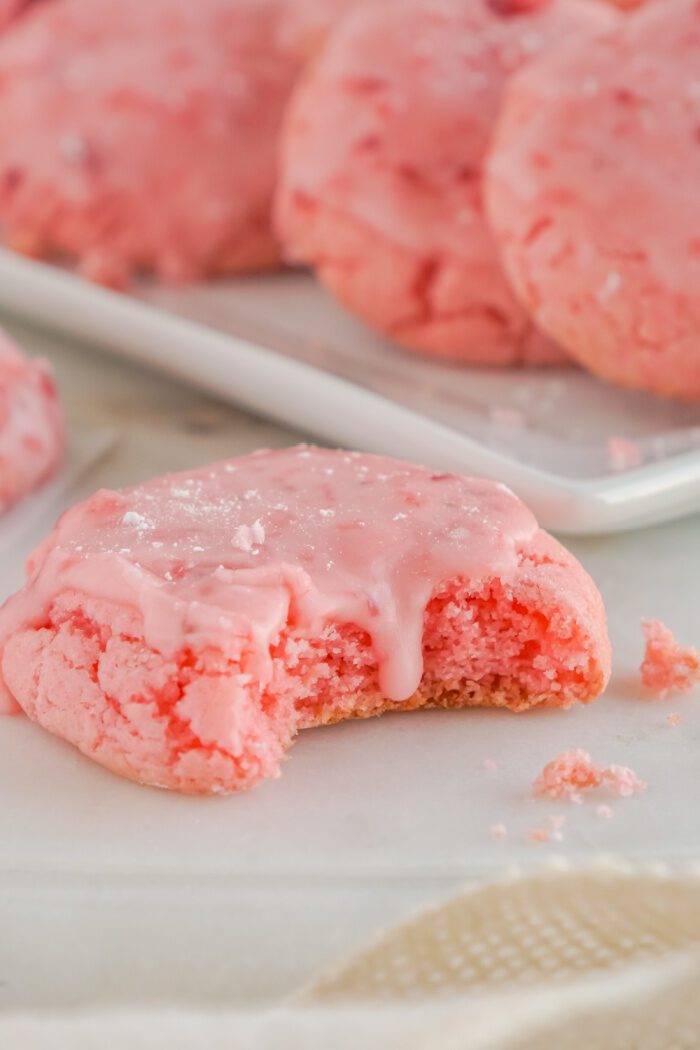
point(228, 555)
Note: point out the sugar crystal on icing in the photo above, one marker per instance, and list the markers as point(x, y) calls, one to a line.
point(138, 520)
point(73, 148)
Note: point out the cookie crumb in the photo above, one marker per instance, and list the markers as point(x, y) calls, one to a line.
point(539, 835)
point(498, 832)
point(667, 665)
point(674, 718)
point(572, 772)
point(604, 812)
point(565, 776)
point(548, 834)
point(623, 781)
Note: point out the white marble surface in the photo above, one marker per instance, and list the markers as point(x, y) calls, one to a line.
point(111, 892)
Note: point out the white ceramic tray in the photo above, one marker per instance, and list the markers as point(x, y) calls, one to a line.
point(280, 347)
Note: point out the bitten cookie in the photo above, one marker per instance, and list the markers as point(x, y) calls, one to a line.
point(181, 633)
point(381, 172)
point(31, 424)
point(594, 192)
point(141, 137)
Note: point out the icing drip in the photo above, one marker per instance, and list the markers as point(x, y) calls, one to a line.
point(229, 555)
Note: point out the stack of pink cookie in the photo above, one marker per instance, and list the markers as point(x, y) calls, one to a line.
point(508, 180)
point(181, 633)
point(381, 184)
point(491, 181)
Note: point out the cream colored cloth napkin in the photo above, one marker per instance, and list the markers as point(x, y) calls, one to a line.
point(595, 960)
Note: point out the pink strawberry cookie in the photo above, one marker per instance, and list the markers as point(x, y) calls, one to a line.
point(381, 188)
point(181, 633)
point(31, 424)
point(142, 136)
point(594, 192)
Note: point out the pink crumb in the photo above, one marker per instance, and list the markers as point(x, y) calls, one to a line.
point(549, 834)
point(674, 719)
point(623, 454)
point(572, 772)
point(552, 832)
point(604, 812)
point(539, 835)
point(498, 832)
point(489, 765)
point(667, 665)
point(566, 775)
point(623, 781)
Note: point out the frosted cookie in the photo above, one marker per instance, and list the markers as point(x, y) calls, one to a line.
point(594, 192)
point(31, 424)
point(380, 183)
point(141, 137)
point(181, 633)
